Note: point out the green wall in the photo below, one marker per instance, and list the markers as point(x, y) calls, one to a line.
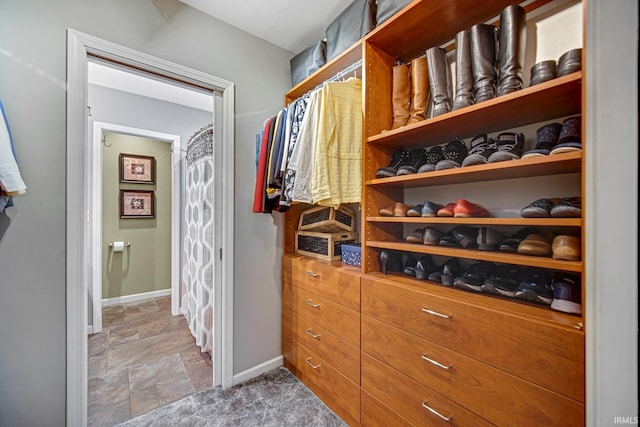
point(144, 266)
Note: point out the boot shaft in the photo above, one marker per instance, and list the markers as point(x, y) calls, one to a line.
point(420, 90)
point(439, 80)
point(401, 95)
point(512, 41)
point(464, 73)
point(483, 53)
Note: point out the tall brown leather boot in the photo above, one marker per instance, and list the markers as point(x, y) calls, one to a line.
point(420, 90)
point(401, 95)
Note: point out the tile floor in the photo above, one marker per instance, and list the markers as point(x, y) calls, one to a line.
point(143, 358)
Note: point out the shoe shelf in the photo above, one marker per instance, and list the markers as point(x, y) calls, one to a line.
point(499, 257)
point(550, 100)
point(538, 222)
point(522, 168)
point(406, 36)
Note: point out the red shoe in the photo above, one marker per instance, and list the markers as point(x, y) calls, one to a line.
point(447, 210)
point(466, 209)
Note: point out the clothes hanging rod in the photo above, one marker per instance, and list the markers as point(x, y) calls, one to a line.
point(338, 75)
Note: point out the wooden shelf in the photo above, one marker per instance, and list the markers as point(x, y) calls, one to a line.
point(550, 100)
point(537, 222)
point(500, 257)
point(521, 168)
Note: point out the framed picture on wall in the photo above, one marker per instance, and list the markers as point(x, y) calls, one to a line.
point(137, 204)
point(137, 169)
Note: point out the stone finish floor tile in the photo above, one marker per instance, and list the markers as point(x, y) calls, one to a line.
point(142, 359)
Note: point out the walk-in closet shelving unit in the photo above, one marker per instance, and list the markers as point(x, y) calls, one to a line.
point(498, 361)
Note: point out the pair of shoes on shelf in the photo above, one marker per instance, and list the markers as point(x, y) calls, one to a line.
point(446, 273)
point(461, 236)
point(403, 163)
point(556, 138)
point(397, 209)
point(566, 207)
point(506, 146)
point(463, 209)
point(562, 292)
point(394, 260)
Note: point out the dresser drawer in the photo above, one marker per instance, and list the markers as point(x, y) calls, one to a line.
point(336, 318)
point(340, 284)
point(495, 395)
point(337, 391)
point(337, 352)
point(374, 413)
point(546, 354)
point(418, 404)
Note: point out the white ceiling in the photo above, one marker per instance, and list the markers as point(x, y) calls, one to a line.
point(128, 81)
point(290, 24)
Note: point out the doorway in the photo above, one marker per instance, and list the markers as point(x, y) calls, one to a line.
point(80, 48)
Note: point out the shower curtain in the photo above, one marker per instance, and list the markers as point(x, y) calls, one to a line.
point(197, 277)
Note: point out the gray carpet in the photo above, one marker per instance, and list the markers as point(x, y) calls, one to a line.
point(276, 398)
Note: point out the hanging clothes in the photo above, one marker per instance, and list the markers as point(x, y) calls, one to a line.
point(11, 183)
point(259, 190)
point(314, 149)
point(197, 283)
point(337, 176)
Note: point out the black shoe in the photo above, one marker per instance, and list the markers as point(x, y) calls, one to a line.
point(567, 207)
point(410, 267)
point(474, 276)
point(454, 153)
point(510, 244)
point(398, 159)
point(504, 281)
point(434, 155)
point(481, 147)
point(450, 270)
point(508, 147)
point(489, 239)
point(534, 286)
point(417, 158)
point(424, 267)
point(540, 208)
point(567, 295)
point(546, 139)
point(466, 236)
point(390, 261)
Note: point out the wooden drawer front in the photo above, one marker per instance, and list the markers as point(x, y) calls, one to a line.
point(335, 318)
point(407, 397)
point(337, 352)
point(493, 394)
point(543, 353)
point(328, 281)
point(374, 413)
point(337, 391)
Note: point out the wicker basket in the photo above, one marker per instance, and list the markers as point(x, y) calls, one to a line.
point(326, 246)
point(327, 220)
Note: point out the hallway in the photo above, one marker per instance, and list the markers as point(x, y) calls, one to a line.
point(143, 358)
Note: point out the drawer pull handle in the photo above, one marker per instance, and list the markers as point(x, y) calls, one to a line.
point(434, 412)
point(311, 364)
point(312, 274)
point(312, 304)
point(311, 334)
point(435, 313)
point(439, 365)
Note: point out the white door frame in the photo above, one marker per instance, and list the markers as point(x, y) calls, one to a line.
point(78, 248)
point(95, 199)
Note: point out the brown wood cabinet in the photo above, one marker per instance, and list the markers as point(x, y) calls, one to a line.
point(415, 352)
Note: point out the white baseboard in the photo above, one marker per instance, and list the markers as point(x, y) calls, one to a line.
point(136, 297)
point(257, 370)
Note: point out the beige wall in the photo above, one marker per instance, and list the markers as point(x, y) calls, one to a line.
point(145, 266)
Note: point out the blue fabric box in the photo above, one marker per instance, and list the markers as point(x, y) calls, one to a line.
point(351, 254)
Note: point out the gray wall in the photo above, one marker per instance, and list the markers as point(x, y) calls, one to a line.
point(32, 252)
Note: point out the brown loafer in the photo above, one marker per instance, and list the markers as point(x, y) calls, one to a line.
point(535, 244)
point(467, 209)
point(447, 210)
point(400, 209)
point(566, 248)
point(387, 210)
